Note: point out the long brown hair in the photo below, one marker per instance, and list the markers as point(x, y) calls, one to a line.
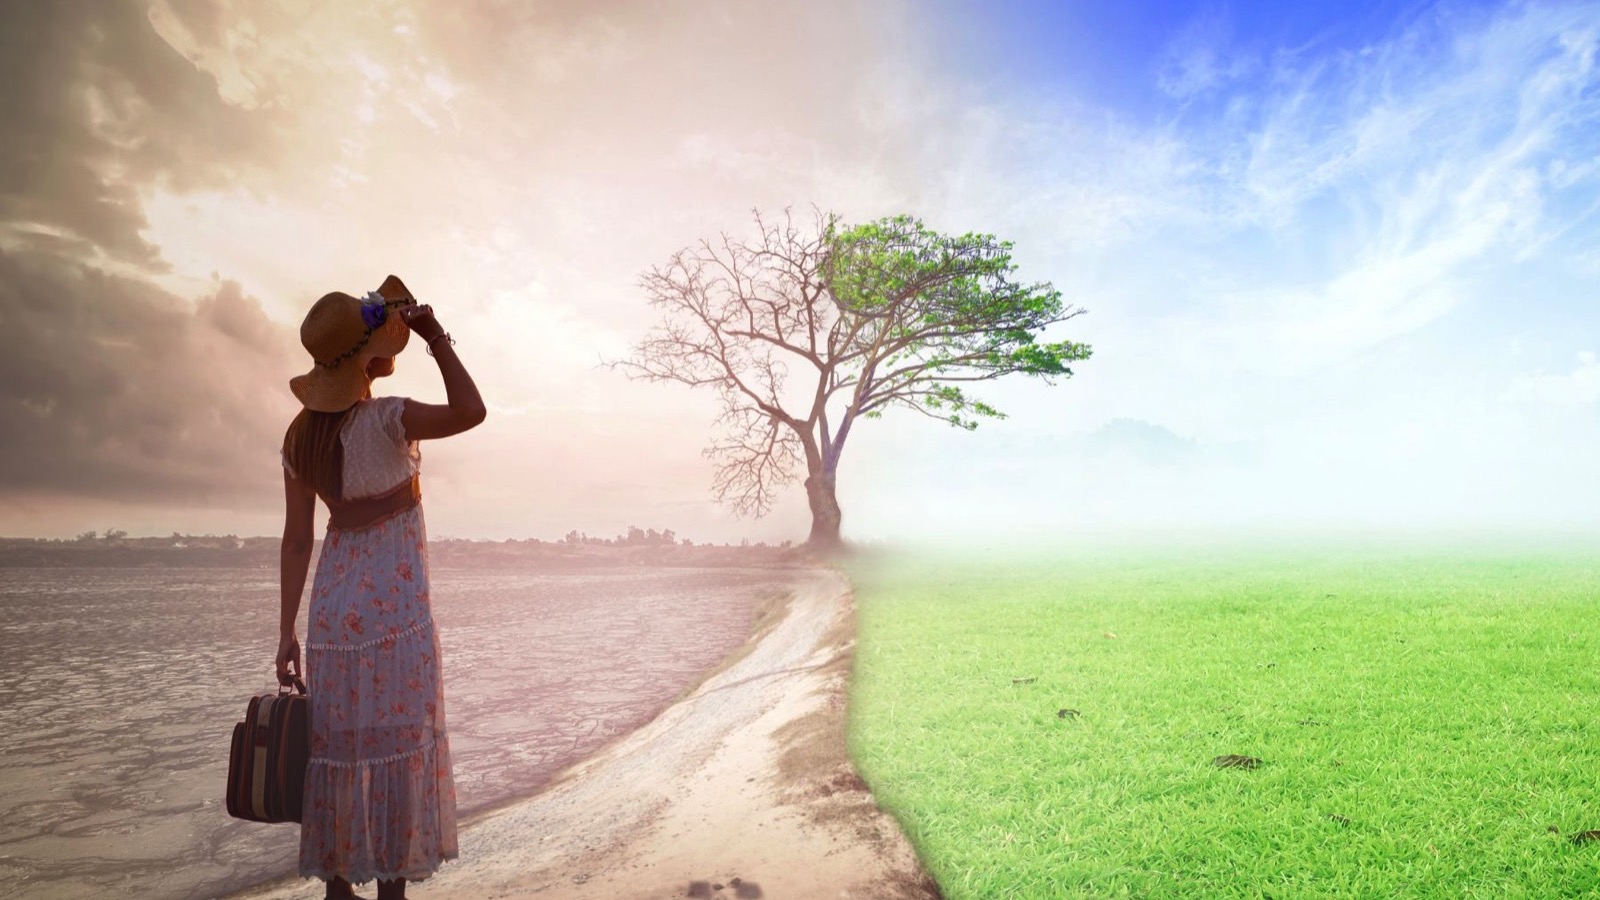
point(313, 447)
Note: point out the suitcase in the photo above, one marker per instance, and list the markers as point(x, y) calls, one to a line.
point(267, 763)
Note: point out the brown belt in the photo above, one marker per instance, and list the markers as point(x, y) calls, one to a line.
point(364, 512)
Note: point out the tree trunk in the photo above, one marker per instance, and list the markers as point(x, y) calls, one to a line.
point(824, 511)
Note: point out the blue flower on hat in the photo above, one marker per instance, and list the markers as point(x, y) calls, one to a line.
point(374, 311)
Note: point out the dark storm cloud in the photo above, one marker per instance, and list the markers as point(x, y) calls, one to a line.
point(112, 387)
point(96, 105)
point(122, 391)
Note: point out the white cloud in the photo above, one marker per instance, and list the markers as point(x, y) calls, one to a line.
point(1296, 276)
point(1199, 59)
point(1577, 387)
point(1260, 263)
point(1373, 189)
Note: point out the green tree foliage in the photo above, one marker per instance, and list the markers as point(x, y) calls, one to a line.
point(928, 311)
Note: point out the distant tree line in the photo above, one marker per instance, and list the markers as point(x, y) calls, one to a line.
point(646, 537)
point(633, 537)
point(638, 546)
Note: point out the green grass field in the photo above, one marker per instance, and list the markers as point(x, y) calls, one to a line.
point(1427, 722)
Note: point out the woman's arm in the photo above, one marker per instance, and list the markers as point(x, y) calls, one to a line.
point(294, 560)
point(463, 408)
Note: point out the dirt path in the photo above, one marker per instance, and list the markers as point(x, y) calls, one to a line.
point(743, 789)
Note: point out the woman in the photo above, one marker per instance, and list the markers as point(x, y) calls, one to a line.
point(379, 792)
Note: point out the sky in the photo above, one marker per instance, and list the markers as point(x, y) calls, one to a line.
point(1338, 259)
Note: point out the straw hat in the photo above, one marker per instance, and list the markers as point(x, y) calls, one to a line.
point(343, 334)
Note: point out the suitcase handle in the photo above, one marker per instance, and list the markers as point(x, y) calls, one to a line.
point(295, 684)
point(291, 676)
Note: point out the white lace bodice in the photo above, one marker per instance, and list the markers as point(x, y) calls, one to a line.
point(377, 455)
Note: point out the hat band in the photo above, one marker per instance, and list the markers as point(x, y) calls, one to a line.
point(372, 324)
point(348, 353)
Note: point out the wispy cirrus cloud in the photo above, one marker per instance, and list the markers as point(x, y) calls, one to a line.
point(1320, 261)
point(1201, 58)
point(1366, 191)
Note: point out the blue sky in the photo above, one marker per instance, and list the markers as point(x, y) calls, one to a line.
point(1339, 259)
point(1353, 243)
point(1133, 55)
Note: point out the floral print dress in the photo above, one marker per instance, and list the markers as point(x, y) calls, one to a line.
point(380, 798)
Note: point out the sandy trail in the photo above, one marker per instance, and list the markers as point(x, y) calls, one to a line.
point(743, 789)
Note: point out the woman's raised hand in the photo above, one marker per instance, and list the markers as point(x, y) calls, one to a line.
point(420, 319)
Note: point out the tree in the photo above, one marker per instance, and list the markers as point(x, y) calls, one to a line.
point(885, 314)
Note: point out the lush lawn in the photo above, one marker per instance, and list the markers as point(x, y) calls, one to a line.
point(1427, 722)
